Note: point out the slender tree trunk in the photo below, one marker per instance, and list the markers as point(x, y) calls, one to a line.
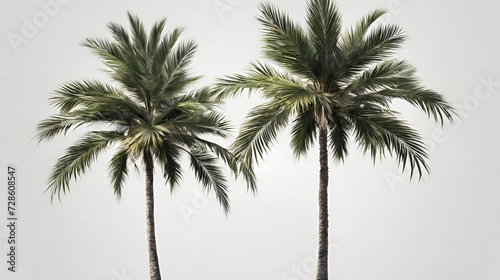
point(154, 265)
point(322, 269)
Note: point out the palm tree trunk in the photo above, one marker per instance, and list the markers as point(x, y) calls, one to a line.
point(322, 268)
point(154, 266)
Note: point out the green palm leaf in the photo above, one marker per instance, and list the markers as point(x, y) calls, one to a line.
point(285, 42)
point(303, 132)
point(210, 175)
point(118, 170)
point(78, 159)
point(259, 131)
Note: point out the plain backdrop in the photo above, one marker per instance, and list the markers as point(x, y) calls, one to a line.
point(382, 225)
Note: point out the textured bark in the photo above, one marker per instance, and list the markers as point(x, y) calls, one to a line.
point(154, 266)
point(322, 268)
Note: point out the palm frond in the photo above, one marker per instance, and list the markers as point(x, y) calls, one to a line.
point(175, 73)
point(164, 48)
point(210, 123)
point(283, 88)
point(219, 151)
point(118, 170)
point(168, 155)
point(303, 132)
point(92, 95)
point(324, 25)
point(210, 175)
point(122, 38)
point(339, 137)
point(78, 158)
point(112, 54)
point(259, 76)
point(258, 131)
point(379, 130)
point(203, 95)
point(55, 125)
point(60, 124)
point(378, 44)
point(431, 102)
point(285, 41)
point(389, 74)
point(246, 170)
point(139, 35)
point(197, 102)
point(357, 33)
point(155, 36)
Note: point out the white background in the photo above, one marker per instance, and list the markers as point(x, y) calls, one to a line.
point(383, 227)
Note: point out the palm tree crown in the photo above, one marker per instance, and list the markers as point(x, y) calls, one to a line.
point(148, 110)
point(343, 80)
point(144, 113)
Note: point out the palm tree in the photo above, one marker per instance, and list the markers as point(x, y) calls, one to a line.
point(145, 114)
point(334, 85)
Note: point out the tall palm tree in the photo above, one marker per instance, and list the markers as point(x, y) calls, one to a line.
point(146, 114)
point(333, 85)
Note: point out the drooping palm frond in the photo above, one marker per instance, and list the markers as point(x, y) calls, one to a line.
point(118, 170)
point(210, 175)
point(169, 158)
point(397, 79)
point(303, 132)
point(78, 159)
point(378, 130)
point(339, 128)
point(222, 153)
point(431, 102)
point(258, 132)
